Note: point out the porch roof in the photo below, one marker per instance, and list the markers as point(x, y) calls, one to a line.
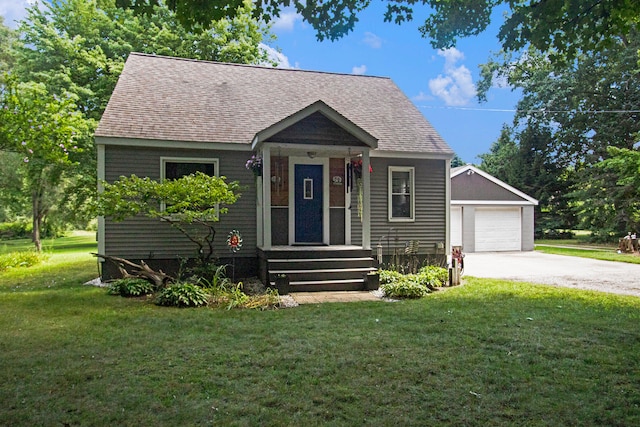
point(173, 99)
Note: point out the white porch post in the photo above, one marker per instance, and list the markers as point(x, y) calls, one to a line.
point(347, 206)
point(266, 197)
point(366, 204)
point(101, 177)
point(447, 185)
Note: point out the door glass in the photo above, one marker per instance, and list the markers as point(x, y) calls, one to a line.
point(308, 189)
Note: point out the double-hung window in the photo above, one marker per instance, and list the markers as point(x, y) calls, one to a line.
point(402, 193)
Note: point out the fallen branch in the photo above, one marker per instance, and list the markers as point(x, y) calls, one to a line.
point(139, 271)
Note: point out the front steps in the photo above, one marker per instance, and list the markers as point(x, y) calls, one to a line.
point(322, 268)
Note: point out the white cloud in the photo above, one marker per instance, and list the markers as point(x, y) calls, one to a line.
point(14, 10)
point(455, 87)
point(277, 56)
point(359, 70)
point(421, 97)
point(372, 40)
point(286, 21)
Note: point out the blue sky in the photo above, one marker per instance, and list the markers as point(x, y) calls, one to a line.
point(441, 84)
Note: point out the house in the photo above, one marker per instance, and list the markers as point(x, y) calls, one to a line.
point(489, 215)
point(348, 162)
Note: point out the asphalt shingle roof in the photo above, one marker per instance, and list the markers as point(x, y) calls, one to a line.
point(186, 100)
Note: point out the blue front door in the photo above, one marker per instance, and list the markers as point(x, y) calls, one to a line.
point(308, 204)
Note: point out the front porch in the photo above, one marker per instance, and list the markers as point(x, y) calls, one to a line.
point(316, 268)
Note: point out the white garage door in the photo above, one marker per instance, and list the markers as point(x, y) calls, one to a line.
point(456, 225)
point(498, 229)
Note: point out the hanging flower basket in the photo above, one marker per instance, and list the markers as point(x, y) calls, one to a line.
point(254, 164)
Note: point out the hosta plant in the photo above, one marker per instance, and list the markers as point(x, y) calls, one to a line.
point(183, 295)
point(404, 289)
point(130, 287)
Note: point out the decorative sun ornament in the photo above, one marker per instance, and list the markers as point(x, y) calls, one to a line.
point(234, 241)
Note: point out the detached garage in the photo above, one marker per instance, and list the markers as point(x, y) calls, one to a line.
point(487, 214)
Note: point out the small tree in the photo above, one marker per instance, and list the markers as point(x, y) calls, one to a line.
point(49, 134)
point(192, 200)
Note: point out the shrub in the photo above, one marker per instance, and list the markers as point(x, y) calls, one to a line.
point(390, 276)
point(432, 275)
point(130, 287)
point(20, 259)
point(406, 288)
point(18, 229)
point(183, 295)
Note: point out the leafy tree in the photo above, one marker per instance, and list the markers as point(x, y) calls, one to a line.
point(79, 47)
point(457, 161)
point(13, 200)
point(609, 201)
point(49, 134)
point(624, 164)
point(193, 200)
point(568, 116)
point(7, 40)
point(567, 26)
point(499, 160)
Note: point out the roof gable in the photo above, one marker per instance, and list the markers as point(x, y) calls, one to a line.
point(468, 183)
point(172, 99)
point(316, 124)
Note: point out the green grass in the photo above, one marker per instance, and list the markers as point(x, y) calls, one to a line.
point(486, 353)
point(74, 242)
point(586, 252)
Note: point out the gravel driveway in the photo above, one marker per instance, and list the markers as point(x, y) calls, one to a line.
point(558, 270)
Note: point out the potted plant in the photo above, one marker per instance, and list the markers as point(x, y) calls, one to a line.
point(372, 281)
point(282, 284)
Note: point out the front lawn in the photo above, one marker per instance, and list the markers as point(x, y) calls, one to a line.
point(585, 252)
point(486, 353)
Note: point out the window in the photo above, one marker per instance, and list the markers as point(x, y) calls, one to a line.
point(401, 193)
point(177, 167)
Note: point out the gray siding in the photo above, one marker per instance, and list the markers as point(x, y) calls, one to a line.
point(527, 228)
point(430, 213)
point(336, 222)
point(144, 238)
point(279, 226)
point(469, 228)
point(476, 187)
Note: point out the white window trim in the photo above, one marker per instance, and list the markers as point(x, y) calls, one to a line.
point(165, 160)
point(412, 176)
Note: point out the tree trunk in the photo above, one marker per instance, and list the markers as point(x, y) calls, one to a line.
point(37, 222)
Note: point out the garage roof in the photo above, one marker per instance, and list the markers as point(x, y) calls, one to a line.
point(470, 185)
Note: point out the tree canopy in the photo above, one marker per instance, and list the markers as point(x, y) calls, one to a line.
point(49, 134)
point(566, 26)
point(571, 120)
point(81, 45)
point(64, 61)
point(196, 199)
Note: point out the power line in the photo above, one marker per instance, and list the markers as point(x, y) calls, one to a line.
point(506, 110)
